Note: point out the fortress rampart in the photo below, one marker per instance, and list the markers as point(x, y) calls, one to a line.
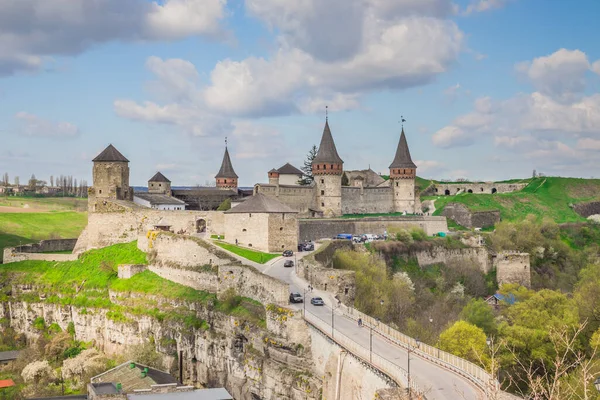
point(359, 200)
point(441, 189)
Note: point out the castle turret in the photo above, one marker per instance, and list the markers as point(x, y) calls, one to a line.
point(273, 177)
point(227, 178)
point(111, 176)
point(159, 184)
point(327, 169)
point(403, 172)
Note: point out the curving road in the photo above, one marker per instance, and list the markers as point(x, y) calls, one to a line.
point(439, 383)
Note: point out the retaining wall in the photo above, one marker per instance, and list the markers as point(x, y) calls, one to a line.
point(41, 251)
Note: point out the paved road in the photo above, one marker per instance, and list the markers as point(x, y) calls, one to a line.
point(441, 383)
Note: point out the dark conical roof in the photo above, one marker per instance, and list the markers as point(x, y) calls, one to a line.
point(110, 154)
point(158, 177)
point(226, 170)
point(289, 169)
point(402, 158)
point(327, 152)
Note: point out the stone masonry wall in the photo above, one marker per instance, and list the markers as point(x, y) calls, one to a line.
point(298, 198)
point(513, 267)
point(249, 282)
point(340, 283)
point(181, 251)
point(476, 188)
point(441, 255)
point(461, 214)
point(37, 251)
point(328, 228)
point(249, 229)
point(282, 232)
point(208, 281)
point(126, 271)
point(357, 200)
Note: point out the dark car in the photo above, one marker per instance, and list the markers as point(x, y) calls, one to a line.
point(296, 298)
point(288, 263)
point(317, 301)
point(301, 247)
point(288, 253)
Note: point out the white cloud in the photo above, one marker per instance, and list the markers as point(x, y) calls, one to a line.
point(561, 75)
point(588, 144)
point(596, 67)
point(32, 31)
point(32, 125)
point(427, 166)
point(255, 141)
point(451, 136)
point(477, 6)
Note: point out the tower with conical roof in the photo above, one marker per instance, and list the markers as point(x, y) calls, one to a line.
point(403, 172)
point(327, 169)
point(111, 176)
point(159, 184)
point(226, 178)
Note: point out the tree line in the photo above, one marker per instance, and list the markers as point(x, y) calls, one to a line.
point(65, 185)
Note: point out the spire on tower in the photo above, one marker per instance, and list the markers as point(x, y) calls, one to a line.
point(402, 158)
point(327, 151)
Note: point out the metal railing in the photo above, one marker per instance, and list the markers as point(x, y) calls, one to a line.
point(479, 376)
point(395, 372)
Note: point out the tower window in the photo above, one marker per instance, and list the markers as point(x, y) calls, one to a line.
point(160, 185)
point(100, 191)
point(322, 180)
point(322, 193)
point(331, 166)
point(224, 180)
point(396, 183)
point(322, 204)
point(324, 166)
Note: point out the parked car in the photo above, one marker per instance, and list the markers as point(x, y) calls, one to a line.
point(317, 301)
point(288, 253)
point(344, 236)
point(296, 298)
point(288, 263)
point(309, 246)
point(301, 246)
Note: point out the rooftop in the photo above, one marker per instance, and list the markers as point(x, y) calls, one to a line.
point(132, 378)
point(402, 158)
point(289, 169)
point(157, 199)
point(327, 151)
point(6, 383)
point(9, 355)
point(226, 170)
point(198, 394)
point(110, 154)
point(158, 177)
point(259, 203)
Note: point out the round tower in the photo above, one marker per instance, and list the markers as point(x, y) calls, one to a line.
point(226, 178)
point(327, 169)
point(403, 172)
point(159, 184)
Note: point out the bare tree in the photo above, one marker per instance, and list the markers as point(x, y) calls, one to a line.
point(17, 181)
point(52, 180)
point(5, 180)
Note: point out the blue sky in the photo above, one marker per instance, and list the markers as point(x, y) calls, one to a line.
point(491, 89)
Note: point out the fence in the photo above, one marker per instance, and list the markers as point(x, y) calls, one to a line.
point(398, 374)
point(467, 369)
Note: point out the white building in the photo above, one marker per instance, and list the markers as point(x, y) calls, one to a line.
point(158, 201)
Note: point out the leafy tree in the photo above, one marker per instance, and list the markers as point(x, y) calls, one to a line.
point(225, 205)
point(345, 181)
point(479, 313)
point(464, 340)
point(307, 179)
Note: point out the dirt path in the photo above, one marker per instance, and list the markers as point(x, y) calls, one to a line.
point(5, 209)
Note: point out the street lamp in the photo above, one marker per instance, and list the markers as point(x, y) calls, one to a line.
point(411, 349)
point(371, 342)
point(597, 384)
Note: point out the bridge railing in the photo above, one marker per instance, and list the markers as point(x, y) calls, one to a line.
point(469, 370)
point(398, 374)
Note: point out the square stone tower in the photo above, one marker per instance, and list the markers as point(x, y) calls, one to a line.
point(327, 169)
point(111, 176)
point(403, 172)
point(159, 184)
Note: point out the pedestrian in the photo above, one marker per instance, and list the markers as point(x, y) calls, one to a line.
point(236, 242)
point(360, 322)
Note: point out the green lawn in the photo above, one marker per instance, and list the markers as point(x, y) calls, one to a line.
point(45, 203)
point(543, 197)
point(85, 283)
point(252, 255)
point(23, 228)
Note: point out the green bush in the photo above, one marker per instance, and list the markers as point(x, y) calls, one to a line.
point(39, 324)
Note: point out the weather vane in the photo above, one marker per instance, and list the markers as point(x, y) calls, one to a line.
point(403, 121)
point(225, 141)
point(326, 113)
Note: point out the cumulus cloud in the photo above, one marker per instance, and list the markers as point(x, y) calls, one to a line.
point(428, 166)
point(32, 31)
point(478, 6)
point(32, 125)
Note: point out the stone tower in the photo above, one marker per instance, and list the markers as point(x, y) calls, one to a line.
point(274, 177)
point(159, 184)
point(227, 178)
point(327, 169)
point(111, 176)
point(403, 172)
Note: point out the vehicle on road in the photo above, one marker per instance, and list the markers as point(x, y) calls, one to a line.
point(344, 236)
point(288, 263)
point(309, 246)
point(296, 298)
point(300, 246)
point(288, 253)
point(317, 301)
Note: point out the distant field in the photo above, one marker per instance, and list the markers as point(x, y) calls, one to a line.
point(543, 197)
point(43, 218)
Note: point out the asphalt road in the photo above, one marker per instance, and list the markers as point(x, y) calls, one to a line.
point(439, 383)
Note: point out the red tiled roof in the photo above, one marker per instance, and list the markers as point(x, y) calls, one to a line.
point(6, 383)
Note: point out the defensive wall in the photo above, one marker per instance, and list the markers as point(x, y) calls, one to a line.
point(513, 267)
point(359, 200)
point(298, 198)
point(124, 221)
point(314, 229)
point(461, 214)
point(441, 189)
point(42, 250)
point(440, 255)
point(195, 263)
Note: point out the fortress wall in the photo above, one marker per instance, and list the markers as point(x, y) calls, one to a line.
point(339, 282)
point(328, 228)
point(299, 198)
point(249, 282)
point(467, 218)
point(248, 229)
point(513, 267)
point(477, 188)
point(282, 232)
point(367, 200)
point(108, 228)
point(169, 250)
point(40, 251)
point(439, 255)
point(208, 281)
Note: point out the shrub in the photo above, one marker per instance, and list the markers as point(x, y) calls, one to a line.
point(39, 324)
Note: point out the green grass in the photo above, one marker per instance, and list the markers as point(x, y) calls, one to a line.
point(217, 236)
point(543, 197)
point(252, 255)
point(45, 203)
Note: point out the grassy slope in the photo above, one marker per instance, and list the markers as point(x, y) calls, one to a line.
point(45, 203)
point(252, 255)
point(543, 197)
point(86, 281)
